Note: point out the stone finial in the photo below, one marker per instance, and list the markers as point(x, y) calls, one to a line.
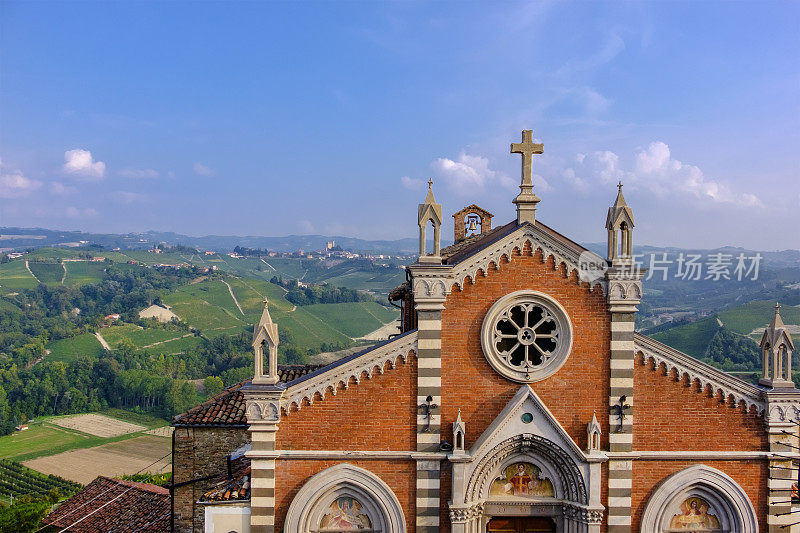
point(593, 431)
point(776, 354)
point(459, 435)
point(430, 211)
point(619, 223)
point(526, 200)
point(265, 332)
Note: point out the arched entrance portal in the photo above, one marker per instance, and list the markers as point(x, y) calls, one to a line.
point(521, 525)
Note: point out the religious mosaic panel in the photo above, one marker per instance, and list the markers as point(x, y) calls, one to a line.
point(522, 479)
point(345, 514)
point(696, 516)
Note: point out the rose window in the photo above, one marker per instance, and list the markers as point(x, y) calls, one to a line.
point(526, 336)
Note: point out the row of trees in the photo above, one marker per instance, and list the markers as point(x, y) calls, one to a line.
point(318, 294)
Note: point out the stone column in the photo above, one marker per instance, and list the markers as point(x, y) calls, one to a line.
point(431, 283)
point(624, 293)
point(263, 415)
point(781, 421)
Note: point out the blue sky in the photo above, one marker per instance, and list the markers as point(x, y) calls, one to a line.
point(277, 118)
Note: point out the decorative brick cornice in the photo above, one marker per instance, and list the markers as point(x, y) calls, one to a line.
point(708, 376)
point(526, 234)
point(330, 380)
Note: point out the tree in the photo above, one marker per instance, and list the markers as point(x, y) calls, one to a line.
point(213, 385)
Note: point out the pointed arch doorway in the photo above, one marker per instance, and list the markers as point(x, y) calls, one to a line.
point(521, 525)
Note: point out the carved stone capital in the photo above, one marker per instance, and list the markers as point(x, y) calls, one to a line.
point(431, 284)
point(624, 288)
point(461, 515)
point(263, 403)
point(782, 407)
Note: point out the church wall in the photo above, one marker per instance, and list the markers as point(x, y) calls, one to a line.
point(578, 390)
point(675, 415)
point(291, 475)
point(469, 383)
point(338, 422)
point(200, 452)
point(750, 475)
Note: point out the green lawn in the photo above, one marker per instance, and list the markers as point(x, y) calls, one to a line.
point(48, 273)
point(757, 314)
point(14, 275)
point(84, 345)
point(692, 339)
point(39, 440)
point(44, 438)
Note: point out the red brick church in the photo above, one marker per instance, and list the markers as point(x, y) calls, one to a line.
point(517, 398)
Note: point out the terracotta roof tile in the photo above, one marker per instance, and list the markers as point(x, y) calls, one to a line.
point(228, 407)
point(137, 507)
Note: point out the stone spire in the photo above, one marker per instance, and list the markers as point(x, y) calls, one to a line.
point(526, 200)
point(265, 332)
point(776, 352)
point(431, 212)
point(619, 223)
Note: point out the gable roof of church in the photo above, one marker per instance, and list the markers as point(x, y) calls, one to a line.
point(461, 250)
point(228, 407)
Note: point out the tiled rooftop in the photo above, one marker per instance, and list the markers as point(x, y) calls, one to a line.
point(228, 407)
point(138, 507)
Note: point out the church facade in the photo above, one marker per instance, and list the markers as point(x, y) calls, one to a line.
point(517, 398)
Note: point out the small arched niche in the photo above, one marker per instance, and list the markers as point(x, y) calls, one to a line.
point(699, 498)
point(345, 498)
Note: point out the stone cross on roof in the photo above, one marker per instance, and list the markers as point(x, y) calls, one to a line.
point(526, 200)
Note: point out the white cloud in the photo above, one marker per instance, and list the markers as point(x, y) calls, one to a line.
point(413, 184)
point(14, 184)
point(541, 184)
point(470, 173)
point(655, 170)
point(139, 173)
point(202, 170)
point(127, 197)
point(74, 212)
point(81, 163)
point(59, 189)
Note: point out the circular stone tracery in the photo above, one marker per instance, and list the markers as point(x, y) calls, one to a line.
point(526, 336)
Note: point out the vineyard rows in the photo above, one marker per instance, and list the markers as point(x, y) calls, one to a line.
point(18, 480)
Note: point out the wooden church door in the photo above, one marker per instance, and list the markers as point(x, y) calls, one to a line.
point(521, 525)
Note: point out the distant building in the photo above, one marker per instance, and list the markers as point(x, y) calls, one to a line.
point(111, 318)
point(22, 427)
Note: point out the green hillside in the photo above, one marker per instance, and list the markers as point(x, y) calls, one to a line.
point(692, 339)
point(14, 275)
point(83, 272)
point(756, 314)
point(49, 273)
point(85, 345)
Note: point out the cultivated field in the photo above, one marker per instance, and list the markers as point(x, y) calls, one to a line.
point(84, 345)
point(98, 425)
point(14, 275)
point(115, 459)
point(49, 273)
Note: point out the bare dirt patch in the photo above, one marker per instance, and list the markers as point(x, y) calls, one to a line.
point(98, 425)
point(115, 459)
